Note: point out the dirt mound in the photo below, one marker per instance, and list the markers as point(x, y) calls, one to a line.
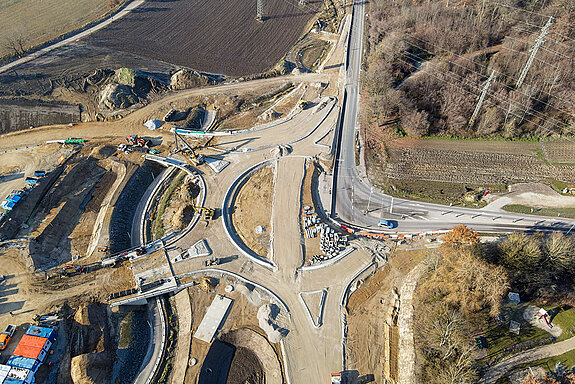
point(91, 345)
point(90, 368)
point(255, 361)
point(187, 78)
point(180, 211)
point(266, 317)
point(117, 96)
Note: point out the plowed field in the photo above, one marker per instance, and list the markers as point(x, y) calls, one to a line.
point(216, 36)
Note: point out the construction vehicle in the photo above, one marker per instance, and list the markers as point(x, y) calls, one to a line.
point(71, 270)
point(303, 104)
point(182, 145)
point(7, 335)
point(336, 378)
point(213, 261)
point(136, 141)
point(103, 249)
point(208, 213)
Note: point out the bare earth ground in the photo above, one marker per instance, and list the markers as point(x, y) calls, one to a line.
point(373, 335)
point(241, 316)
point(226, 38)
point(253, 207)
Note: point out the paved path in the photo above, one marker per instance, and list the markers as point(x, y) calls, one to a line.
point(134, 4)
point(505, 365)
point(288, 252)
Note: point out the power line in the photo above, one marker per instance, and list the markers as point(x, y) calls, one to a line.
point(464, 80)
point(497, 106)
point(481, 98)
point(487, 68)
point(533, 112)
point(535, 13)
point(543, 48)
point(538, 42)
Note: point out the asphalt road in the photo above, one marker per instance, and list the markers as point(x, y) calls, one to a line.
point(358, 203)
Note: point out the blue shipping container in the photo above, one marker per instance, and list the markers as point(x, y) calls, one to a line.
point(39, 173)
point(23, 362)
point(45, 332)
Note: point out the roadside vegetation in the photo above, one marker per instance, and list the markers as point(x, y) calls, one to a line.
point(428, 61)
point(463, 296)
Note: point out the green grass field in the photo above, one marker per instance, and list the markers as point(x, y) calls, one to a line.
point(39, 21)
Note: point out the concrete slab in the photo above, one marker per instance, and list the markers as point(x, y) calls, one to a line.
point(199, 249)
point(213, 319)
point(216, 164)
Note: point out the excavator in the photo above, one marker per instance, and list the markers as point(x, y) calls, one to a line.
point(68, 270)
point(208, 213)
point(194, 158)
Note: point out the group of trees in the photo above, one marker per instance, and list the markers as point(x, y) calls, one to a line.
point(465, 278)
point(458, 284)
point(428, 61)
point(541, 267)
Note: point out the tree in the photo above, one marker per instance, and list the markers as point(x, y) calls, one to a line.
point(560, 251)
point(17, 45)
point(461, 235)
point(463, 279)
point(520, 252)
point(415, 123)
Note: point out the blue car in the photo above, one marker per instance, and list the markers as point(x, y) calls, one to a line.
point(387, 224)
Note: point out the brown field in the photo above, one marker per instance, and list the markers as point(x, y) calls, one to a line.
point(467, 162)
point(39, 21)
point(212, 36)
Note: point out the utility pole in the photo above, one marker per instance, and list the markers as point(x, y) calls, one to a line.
point(538, 42)
point(481, 98)
point(260, 10)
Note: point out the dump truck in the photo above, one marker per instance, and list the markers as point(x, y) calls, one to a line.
point(6, 336)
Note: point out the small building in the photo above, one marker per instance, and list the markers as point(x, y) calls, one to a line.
point(31, 180)
point(40, 173)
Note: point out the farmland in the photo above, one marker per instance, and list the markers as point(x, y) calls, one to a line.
point(410, 164)
point(212, 36)
point(34, 21)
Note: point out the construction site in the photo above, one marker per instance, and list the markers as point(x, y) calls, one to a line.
point(212, 216)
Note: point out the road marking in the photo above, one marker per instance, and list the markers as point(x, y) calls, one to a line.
point(423, 218)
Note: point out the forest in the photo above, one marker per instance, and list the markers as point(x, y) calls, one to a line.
point(428, 62)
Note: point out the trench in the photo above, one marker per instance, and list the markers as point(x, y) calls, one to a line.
point(125, 208)
point(129, 357)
